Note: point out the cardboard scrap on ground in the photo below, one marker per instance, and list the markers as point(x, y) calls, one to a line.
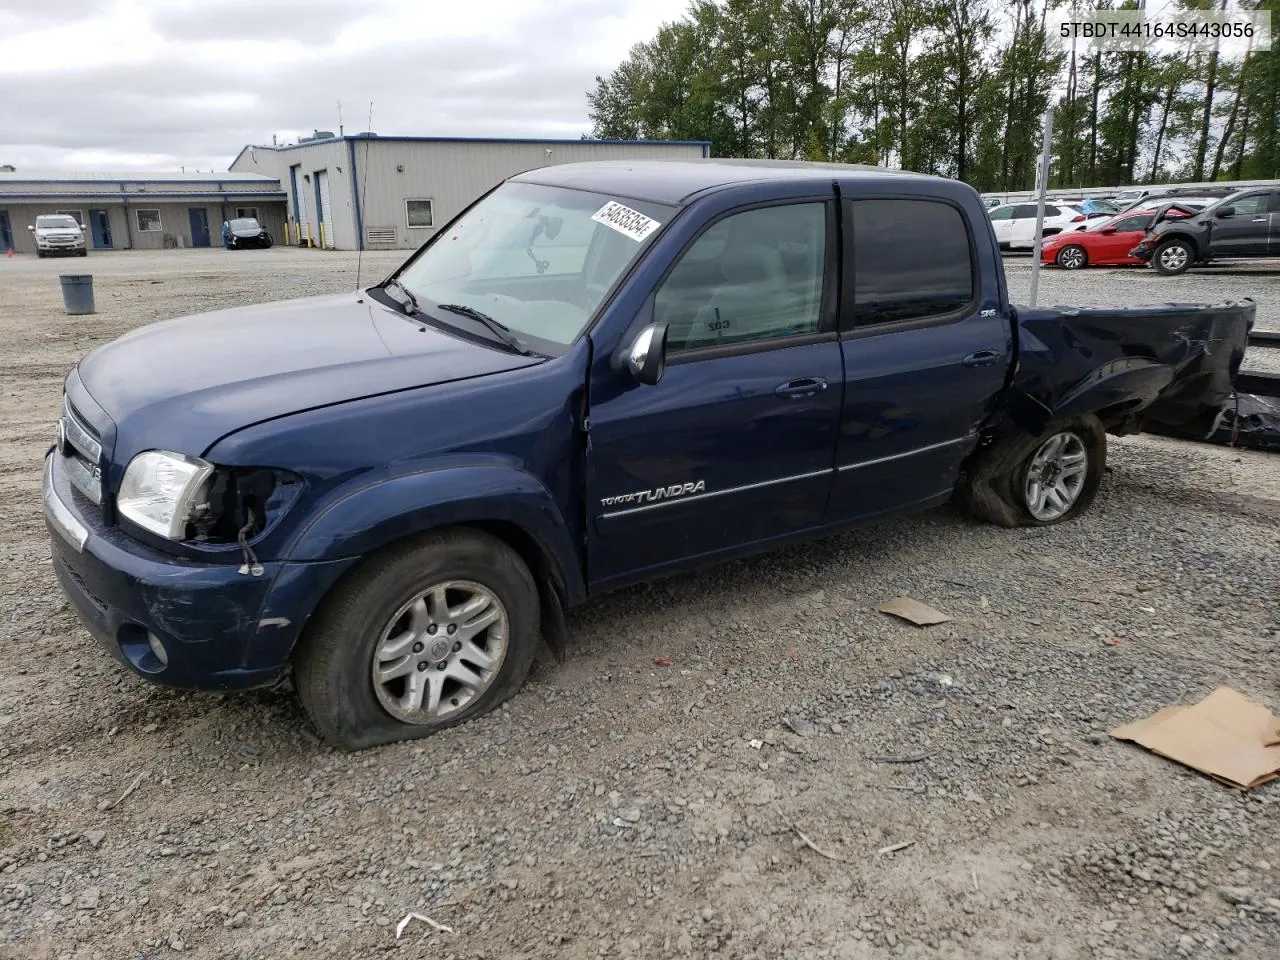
point(1225, 735)
point(913, 611)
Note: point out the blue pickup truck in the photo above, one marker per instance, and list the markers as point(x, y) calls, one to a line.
point(596, 374)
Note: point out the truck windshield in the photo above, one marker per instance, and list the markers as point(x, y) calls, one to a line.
point(56, 223)
point(537, 259)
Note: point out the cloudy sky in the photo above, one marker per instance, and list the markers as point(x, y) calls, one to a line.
point(162, 84)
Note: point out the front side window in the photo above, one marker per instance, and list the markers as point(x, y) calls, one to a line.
point(911, 260)
point(1002, 213)
point(538, 259)
point(418, 214)
point(755, 275)
point(1253, 204)
point(149, 221)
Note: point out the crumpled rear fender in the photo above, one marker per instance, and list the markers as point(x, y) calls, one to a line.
point(1173, 363)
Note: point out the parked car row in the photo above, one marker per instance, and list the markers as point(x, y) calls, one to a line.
point(1107, 242)
point(1174, 235)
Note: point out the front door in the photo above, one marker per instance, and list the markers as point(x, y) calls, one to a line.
point(1246, 232)
point(734, 445)
point(100, 226)
point(6, 232)
point(199, 226)
point(926, 352)
point(1112, 243)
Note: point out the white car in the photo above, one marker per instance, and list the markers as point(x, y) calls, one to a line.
point(1015, 223)
point(58, 233)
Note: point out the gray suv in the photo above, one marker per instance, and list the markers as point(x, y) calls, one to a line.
point(1245, 225)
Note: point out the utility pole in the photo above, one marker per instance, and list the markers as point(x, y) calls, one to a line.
point(1042, 185)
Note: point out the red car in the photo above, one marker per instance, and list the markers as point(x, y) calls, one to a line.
point(1109, 243)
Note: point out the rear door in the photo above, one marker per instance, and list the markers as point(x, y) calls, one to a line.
point(926, 350)
point(1024, 225)
point(1246, 233)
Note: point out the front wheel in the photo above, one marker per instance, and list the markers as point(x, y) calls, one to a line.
point(423, 636)
point(1026, 481)
point(1173, 257)
point(1072, 257)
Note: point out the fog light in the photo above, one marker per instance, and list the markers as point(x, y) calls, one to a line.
point(158, 649)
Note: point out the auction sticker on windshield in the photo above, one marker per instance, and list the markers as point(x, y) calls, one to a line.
point(633, 223)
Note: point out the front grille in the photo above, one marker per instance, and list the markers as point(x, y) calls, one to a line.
point(81, 452)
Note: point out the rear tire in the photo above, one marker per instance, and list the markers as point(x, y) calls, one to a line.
point(374, 641)
point(1007, 482)
point(1173, 257)
point(1073, 257)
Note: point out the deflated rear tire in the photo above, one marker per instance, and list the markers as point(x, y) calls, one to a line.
point(1026, 481)
point(421, 637)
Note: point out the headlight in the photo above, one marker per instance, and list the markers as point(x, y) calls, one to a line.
point(160, 489)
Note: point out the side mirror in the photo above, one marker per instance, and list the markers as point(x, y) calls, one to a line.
point(31, 226)
point(1226, 212)
point(647, 355)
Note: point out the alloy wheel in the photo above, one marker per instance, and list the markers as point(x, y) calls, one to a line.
point(440, 651)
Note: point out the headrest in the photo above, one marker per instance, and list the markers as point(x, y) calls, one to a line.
point(752, 263)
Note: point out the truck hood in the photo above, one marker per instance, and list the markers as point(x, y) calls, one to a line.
point(183, 384)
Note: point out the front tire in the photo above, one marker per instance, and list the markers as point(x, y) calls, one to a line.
point(1072, 257)
point(1173, 257)
point(423, 636)
point(1035, 481)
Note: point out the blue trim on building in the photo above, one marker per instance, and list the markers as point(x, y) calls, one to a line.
point(355, 193)
point(143, 195)
point(219, 180)
point(562, 141)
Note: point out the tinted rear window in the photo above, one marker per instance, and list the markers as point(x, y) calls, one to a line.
point(911, 259)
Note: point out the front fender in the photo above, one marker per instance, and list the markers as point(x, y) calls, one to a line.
point(373, 516)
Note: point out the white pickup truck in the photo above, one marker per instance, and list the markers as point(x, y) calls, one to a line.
point(59, 233)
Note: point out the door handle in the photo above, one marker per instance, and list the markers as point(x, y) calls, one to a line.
point(983, 358)
point(1261, 219)
point(801, 388)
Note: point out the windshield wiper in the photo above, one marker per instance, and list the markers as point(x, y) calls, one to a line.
point(501, 331)
point(410, 303)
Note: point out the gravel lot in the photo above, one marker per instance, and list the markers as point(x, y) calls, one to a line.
point(618, 808)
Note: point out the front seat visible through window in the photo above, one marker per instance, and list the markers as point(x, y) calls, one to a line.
point(755, 275)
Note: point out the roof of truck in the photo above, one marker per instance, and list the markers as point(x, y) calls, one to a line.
point(674, 181)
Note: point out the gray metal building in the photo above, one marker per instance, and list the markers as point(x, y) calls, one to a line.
point(374, 192)
point(138, 211)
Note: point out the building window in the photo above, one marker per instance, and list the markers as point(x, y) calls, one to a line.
point(149, 221)
point(418, 213)
point(77, 214)
point(243, 213)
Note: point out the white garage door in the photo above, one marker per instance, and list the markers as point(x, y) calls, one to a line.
point(326, 210)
